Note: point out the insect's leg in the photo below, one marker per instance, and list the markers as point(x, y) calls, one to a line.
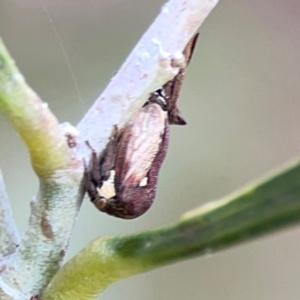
point(171, 91)
point(89, 184)
point(108, 160)
point(95, 169)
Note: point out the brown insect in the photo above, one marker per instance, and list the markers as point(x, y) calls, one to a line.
point(123, 182)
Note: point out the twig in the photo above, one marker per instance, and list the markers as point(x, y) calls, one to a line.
point(45, 242)
point(9, 237)
point(54, 210)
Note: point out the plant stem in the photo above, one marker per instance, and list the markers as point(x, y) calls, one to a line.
point(31, 118)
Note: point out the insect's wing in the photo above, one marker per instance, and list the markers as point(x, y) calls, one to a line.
point(138, 147)
point(143, 196)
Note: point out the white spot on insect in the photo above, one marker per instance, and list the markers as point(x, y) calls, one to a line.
point(107, 189)
point(144, 182)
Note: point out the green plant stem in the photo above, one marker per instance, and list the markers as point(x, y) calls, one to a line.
point(31, 118)
point(258, 209)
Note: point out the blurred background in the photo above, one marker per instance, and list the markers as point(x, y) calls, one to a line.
point(241, 101)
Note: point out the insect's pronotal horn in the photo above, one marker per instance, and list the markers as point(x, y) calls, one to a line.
point(176, 118)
